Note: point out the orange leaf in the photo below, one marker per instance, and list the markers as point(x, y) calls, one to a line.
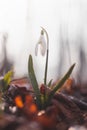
point(19, 102)
point(33, 108)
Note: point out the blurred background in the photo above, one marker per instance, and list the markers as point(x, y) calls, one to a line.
point(66, 24)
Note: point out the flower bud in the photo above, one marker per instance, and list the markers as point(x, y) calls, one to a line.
point(42, 89)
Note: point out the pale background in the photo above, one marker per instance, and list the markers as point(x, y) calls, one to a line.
point(63, 19)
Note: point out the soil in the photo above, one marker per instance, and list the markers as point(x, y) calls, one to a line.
point(68, 108)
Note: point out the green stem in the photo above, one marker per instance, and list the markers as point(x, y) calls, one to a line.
point(46, 68)
point(46, 65)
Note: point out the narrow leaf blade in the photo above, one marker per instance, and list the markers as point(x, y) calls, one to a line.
point(34, 80)
point(61, 82)
point(50, 83)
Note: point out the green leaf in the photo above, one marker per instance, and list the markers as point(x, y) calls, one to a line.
point(7, 77)
point(34, 81)
point(50, 82)
point(6, 80)
point(60, 83)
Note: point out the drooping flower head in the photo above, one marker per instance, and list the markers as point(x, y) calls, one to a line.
point(41, 44)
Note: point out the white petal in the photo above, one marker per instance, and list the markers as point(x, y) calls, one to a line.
point(40, 39)
point(36, 49)
point(43, 47)
point(42, 44)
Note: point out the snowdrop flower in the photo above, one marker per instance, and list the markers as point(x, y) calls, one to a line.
point(42, 44)
point(44, 48)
